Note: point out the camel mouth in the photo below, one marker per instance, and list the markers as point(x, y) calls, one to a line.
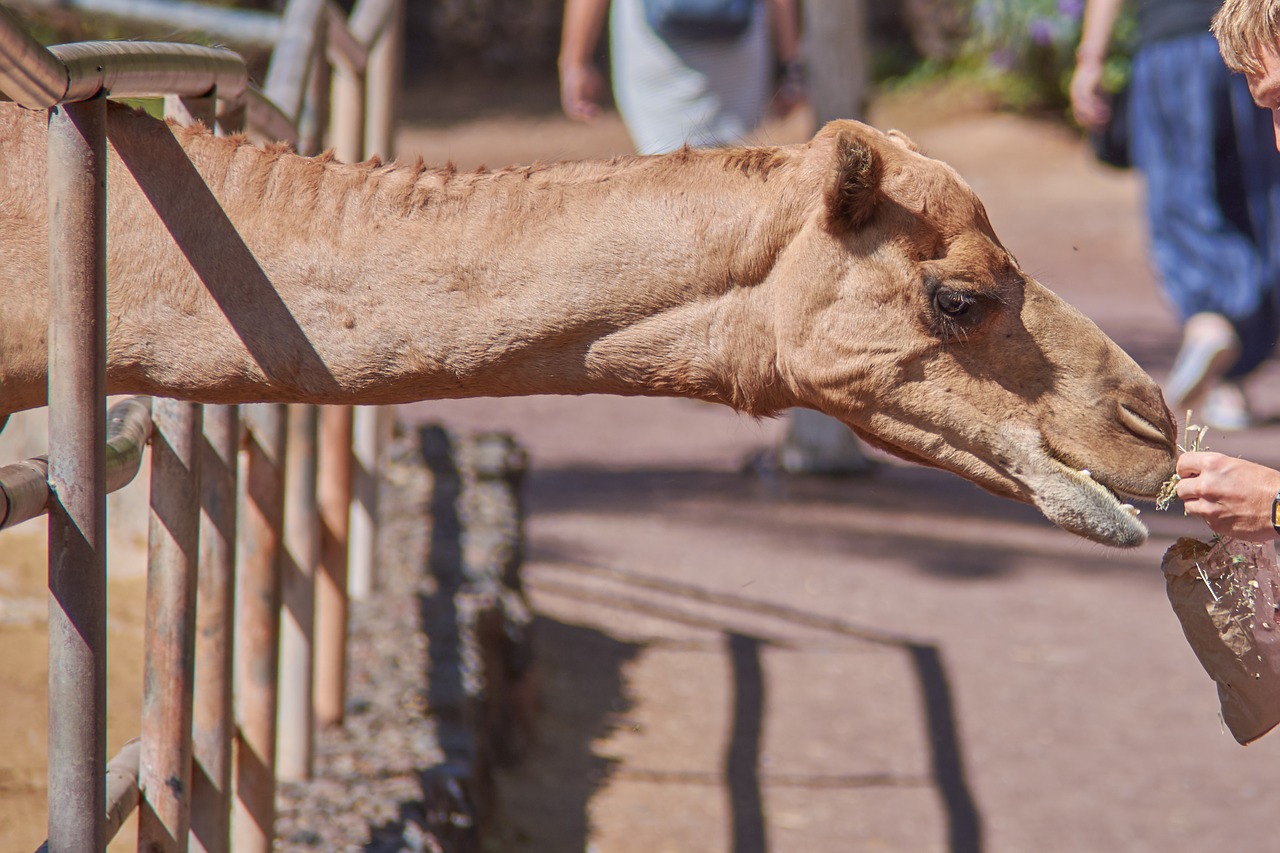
point(1080, 503)
point(1072, 497)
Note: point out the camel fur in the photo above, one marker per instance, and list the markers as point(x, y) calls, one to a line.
point(850, 274)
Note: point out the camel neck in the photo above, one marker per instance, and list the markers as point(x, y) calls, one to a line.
point(322, 281)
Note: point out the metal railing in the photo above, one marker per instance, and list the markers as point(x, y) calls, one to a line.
point(199, 682)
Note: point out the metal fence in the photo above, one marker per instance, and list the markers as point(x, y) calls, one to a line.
point(214, 689)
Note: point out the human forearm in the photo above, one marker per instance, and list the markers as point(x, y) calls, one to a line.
point(1095, 32)
point(1088, 103)
point(581, 84)
point(785, 23)
point(583, 24)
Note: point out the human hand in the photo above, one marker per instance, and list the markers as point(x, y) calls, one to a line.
point(1089, 104)
point(581, 88)
point(1233, 496)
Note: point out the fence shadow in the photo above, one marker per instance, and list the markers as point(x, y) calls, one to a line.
point(748, 818)
point(543, 801)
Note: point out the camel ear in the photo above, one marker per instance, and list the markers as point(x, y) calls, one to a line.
point(853, 189)
point(903, 140)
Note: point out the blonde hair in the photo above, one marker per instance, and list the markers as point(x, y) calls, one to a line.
point(1246, 29)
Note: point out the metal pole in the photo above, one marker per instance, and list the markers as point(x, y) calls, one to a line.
point(212, 726)
point(24, 486)
point(77, 182)
point(367, 440)
point(168, 674)
point(121, 790)
point(211, 713)
point(297, 617)
point(257, 660)
point(314, 120)
point(383, 80)
point(346, 127)
point(382, 86)
point(188, 111)
point(346, 133)
point(836, 44)
point(290, 65)
point(331, 576)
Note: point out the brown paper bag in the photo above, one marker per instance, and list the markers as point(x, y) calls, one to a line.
point(1224, 594)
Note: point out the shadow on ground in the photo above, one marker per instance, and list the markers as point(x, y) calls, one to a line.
point(971, 535)
point(543, 802)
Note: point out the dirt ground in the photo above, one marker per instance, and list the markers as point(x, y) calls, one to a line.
point(746, 662)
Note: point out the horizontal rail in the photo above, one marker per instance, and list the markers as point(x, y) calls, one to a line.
point(347, 46)
point(244, 26)
point(122, 789)
point(24, 486)
point(39, 78)
point(141, 69)
point(122, 786)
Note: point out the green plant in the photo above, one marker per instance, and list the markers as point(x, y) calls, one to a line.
point(1027, 49)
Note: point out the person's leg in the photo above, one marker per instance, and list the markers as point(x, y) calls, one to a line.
point(1210, 266)
point(1249, 187)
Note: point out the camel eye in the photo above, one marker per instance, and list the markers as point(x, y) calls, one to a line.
point(952, 303)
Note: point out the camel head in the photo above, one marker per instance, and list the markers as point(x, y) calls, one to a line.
point(901, 313)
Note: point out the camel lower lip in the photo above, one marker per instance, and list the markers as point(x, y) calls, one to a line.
point(1098, 512)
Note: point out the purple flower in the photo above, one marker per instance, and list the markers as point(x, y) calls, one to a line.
point(1070, 8)
point(1041, 31)
point(1002, 58)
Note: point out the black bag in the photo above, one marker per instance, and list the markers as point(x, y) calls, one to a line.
point(1110, 142)
point(699, 19)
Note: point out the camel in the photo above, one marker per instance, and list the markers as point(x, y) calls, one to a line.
point(850, 274)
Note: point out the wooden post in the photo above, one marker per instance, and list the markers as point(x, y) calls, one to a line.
point(169, 671)
point(257, 651)
point(77, 183)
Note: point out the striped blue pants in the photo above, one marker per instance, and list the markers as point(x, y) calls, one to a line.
point(1213, 189)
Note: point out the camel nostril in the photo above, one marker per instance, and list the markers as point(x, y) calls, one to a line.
point(1146, 428)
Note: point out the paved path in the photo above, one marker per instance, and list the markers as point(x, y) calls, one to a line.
point(898, 663)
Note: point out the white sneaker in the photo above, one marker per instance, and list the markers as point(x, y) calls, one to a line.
point(1210, 346)
point(1226, 408)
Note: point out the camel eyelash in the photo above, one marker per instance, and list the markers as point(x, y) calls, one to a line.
point(953, 312)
